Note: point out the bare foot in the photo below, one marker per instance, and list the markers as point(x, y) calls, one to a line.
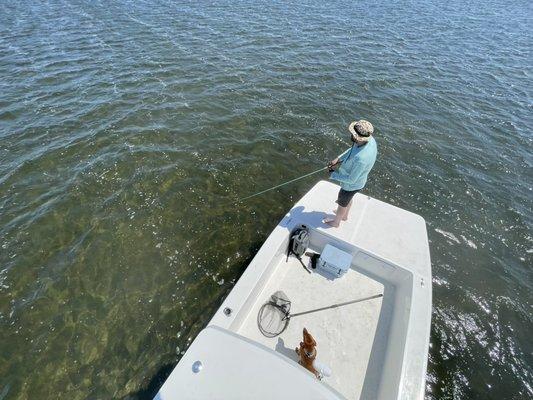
point(344, 219)
point(330, 222)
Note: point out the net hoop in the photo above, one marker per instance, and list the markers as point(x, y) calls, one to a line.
point(272, 319)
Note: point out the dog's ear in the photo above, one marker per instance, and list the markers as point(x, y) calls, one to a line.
point(308, 339)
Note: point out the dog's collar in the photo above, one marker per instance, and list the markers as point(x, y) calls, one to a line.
point(309, 355)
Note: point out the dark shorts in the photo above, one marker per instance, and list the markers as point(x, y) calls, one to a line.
point(345, 197)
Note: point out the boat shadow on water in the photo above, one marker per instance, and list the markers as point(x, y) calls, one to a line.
point(151, 388)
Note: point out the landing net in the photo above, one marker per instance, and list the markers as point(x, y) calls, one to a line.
point(273, 317)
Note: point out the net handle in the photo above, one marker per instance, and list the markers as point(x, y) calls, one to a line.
point(335, 305)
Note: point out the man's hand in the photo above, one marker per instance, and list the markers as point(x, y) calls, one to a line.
point(333, 165)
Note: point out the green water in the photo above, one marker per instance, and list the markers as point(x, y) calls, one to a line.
point(127, 128)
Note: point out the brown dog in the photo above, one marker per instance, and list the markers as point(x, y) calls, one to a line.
point(307, 353)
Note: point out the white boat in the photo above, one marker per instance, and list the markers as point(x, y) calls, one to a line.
point(376, 348)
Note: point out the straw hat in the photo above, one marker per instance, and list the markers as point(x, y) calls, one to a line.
point(362, 129)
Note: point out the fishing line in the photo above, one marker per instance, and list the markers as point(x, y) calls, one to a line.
point(288, 182)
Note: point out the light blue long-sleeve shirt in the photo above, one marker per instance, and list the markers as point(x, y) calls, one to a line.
point(353, 172)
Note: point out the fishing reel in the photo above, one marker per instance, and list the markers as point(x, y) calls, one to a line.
point(333, 167)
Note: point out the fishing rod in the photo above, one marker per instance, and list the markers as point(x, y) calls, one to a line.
point(328, 167)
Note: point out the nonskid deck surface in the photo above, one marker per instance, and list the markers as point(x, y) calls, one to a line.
point(351, 339)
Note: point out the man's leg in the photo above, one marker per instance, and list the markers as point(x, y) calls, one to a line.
point(339, 216)
point(344, 201)
point(348, 210)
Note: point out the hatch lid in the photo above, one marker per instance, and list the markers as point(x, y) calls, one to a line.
point(221, 364)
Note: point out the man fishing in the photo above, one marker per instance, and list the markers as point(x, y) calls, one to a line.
point(351, 168)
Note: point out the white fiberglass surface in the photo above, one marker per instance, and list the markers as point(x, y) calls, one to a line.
point(351, 340)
